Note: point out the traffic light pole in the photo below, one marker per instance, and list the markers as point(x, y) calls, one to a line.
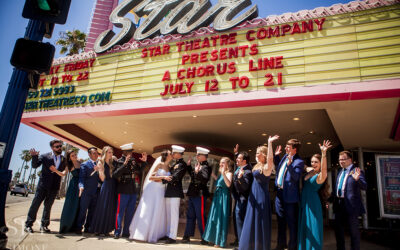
point(10, 119)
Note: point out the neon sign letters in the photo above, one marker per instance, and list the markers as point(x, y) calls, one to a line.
point(172, 16)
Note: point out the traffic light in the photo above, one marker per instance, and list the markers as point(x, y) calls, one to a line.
point(32, 56)
point(48, 11)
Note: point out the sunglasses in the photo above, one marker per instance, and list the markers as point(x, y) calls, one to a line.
point(57, 146)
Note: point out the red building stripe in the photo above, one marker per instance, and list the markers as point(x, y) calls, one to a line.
point(202, 212)
point(116, 216)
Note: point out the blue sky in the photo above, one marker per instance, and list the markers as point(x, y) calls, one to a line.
point(12, 26)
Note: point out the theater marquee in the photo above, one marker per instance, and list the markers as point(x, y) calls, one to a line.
point(254, 56)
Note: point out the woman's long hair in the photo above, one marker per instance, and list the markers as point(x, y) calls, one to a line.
point(229, 162)
point(164, 155)
point(323, 191)
point(110, 162)
point(70, 164)
point(263, 151)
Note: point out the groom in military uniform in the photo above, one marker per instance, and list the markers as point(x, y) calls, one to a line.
point(198, 194)
point(126, 188)
point(174, 194)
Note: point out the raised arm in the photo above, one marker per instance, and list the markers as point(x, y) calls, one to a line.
point(36, 160)
point(227, 176)
point(267, 170)
point(359, 177)
point(324, 165)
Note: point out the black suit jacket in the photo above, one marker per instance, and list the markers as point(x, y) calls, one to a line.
point(174, 187)
point(352, 194)
point(48, 179)
point(198, 183)
point(125, 175)
point(241, 186)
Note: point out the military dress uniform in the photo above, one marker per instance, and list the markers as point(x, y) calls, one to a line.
point(173, 195)
point(127, 193)
point(198, 194)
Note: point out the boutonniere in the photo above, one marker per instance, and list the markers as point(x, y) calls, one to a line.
point(176, 166)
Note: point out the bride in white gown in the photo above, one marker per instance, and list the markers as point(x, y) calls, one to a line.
point(149, 222)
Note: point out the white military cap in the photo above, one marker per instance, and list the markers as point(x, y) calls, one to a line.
point(128, 146)
point(202, 151)
point(177, 149)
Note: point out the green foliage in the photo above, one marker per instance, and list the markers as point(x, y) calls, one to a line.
point(25, 155)
point(71, 42)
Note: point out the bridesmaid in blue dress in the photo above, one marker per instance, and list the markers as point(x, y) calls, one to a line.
point(310, 232)
point(217, 227)
point(71, 204)
point(104, 215)
point(256, 233)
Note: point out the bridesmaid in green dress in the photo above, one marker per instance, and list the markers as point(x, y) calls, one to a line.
point(216, 230)
point(310, 233)
point(71, 204)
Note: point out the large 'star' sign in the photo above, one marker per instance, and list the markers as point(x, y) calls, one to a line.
point(172, 16)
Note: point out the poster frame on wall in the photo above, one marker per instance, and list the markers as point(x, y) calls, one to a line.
point(378, 158)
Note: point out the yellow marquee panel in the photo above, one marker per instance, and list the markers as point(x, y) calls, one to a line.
point(353, 47)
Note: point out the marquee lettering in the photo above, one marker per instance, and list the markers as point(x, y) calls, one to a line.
point(171, 16)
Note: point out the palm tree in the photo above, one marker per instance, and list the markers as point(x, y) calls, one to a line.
point(26, 157)
point(30, 174)
point(25, 168)
point(72, 42)
point(32, 185)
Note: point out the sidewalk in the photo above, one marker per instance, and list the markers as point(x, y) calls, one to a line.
point(18, 239)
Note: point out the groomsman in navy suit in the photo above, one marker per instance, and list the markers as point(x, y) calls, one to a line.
point(242, 180)
point(49, 184)
point(288, 173)
point(88, 184)
point(347, 205)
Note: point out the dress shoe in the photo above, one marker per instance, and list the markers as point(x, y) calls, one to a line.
point(86, 230)
point(203, 242)
point(170, 241)
point(44, 229)
point(125, 236)
point(234, 244)
point(164, 238)
point(185, 239)
point(28, 229)
point(116, 236)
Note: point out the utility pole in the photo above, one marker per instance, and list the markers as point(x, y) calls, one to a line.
point(31, 57)
point(10, 119)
